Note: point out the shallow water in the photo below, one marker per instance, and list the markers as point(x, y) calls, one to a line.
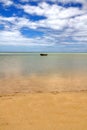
point(59, 72)
point(27, 64)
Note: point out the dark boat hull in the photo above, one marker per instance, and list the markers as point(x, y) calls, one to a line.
point(43, 54)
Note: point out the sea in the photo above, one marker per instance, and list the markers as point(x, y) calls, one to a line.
point(63, 71)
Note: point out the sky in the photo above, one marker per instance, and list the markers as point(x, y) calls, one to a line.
point(43, 25)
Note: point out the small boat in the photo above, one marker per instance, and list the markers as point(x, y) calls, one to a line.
point(43, 54)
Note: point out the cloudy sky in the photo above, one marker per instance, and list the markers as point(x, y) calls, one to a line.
point(43, 25)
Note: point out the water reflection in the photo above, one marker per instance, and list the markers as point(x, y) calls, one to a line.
point(61, 64)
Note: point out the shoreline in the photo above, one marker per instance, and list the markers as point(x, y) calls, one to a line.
point(43, 84)
point(41, 93)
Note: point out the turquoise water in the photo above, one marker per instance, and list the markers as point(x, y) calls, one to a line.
point(12, 64)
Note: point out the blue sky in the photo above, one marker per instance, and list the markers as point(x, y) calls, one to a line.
point(43, 25)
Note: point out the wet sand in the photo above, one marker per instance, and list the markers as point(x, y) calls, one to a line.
point(43, 83)
point(44, 111)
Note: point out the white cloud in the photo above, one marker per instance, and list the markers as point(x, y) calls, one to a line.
point(18, 23)
point(52, 11)
point(6, 2)
point(67, 1)
point(81, 38)
point(63, 26)
point(9, 19)
point(17, 39)
point(56, 17)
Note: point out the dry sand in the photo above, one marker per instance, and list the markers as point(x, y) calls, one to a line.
point(44, 111)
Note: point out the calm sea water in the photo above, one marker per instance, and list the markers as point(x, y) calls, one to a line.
point(32, 63)
point(31, 72)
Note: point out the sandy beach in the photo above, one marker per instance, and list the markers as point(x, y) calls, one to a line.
point(43, 102)
point(44, 111)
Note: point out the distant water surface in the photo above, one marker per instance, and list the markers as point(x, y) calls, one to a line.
point(26, 64)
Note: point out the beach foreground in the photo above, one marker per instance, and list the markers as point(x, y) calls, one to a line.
point(44, 111)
